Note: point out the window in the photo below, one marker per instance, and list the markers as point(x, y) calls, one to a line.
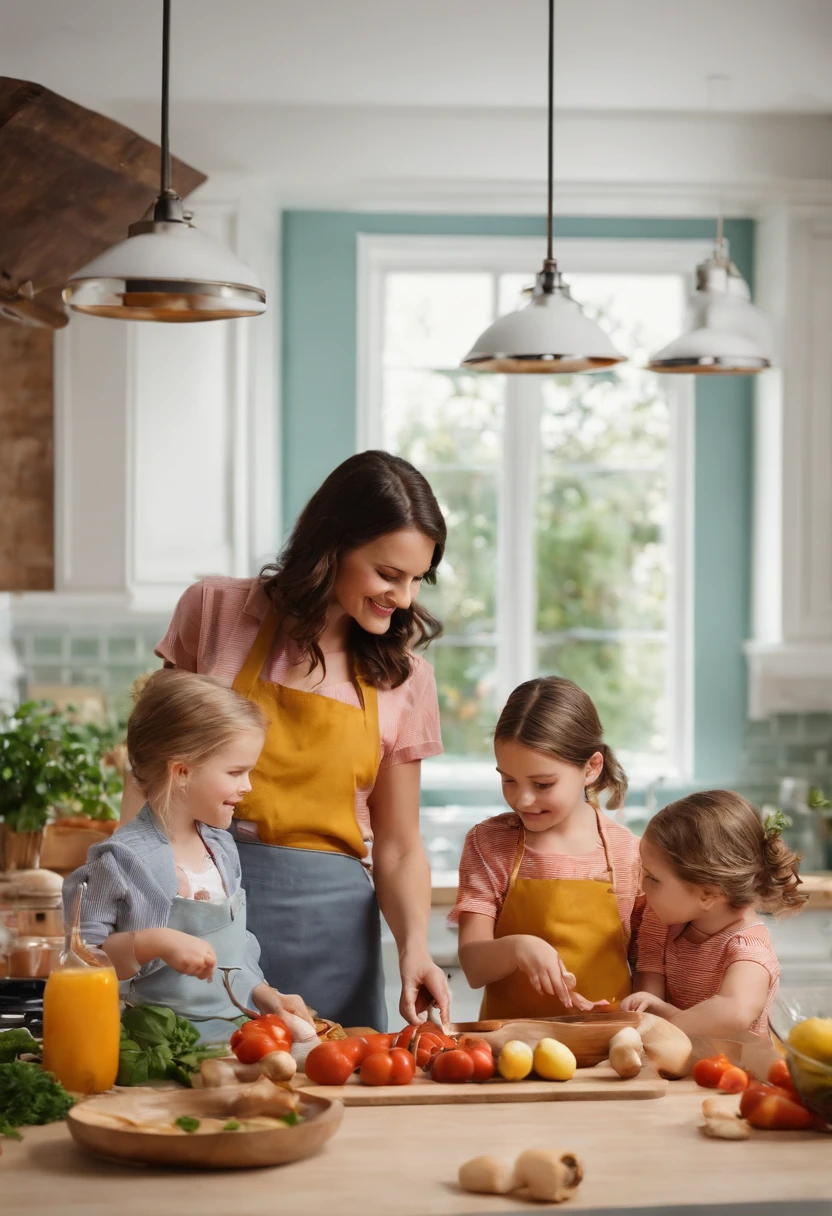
point(567, 498)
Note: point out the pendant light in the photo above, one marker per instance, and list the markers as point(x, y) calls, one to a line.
point(551, 333)
point(724, 334)
point(166, 269)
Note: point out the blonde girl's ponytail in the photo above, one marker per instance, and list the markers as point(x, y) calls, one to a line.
point(554, 715)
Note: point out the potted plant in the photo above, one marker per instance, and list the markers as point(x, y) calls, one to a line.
point(50, 764)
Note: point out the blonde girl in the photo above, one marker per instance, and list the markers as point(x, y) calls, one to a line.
point(548, 892)
point(163, 896)
point(705, 959)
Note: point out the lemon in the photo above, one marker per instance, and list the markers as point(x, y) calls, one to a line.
point(553, 1061)
point(813, 1038)
point(515, 1060)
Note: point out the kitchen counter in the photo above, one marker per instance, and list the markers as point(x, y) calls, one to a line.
point(402, 1161)
point(818, 887)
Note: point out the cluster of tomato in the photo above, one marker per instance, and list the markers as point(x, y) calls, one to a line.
point(773, 1106)
point(392, 1059)
point(260, 1037)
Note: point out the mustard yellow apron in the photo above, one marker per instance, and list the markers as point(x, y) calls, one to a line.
point(318, 752)
point(577, 916)
point(311, 903)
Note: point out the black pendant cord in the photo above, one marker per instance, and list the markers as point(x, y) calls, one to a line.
point(551, 129)
point(165, 168)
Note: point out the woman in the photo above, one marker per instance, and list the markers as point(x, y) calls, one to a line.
point(321, 641)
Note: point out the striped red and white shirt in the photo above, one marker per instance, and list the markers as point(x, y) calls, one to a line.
point(488, 859)
point(694, 971)
point(213, 628)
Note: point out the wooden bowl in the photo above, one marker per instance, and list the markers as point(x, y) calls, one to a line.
point(587, 1035)
point(210, 1150)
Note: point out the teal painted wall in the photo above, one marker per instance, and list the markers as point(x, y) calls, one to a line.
point(319, 251)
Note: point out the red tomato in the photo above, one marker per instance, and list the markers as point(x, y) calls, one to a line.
point(484, 1066)
point(379, 1042)
point(454, 1066)
point(757, 1090)
point(393, 1067)
point(424, 1041)
point(733, 1080)
point(779, 1075)
point(707, 1072)
point(355, 1048)
point(259, 1037)
point(775, 1113)
point(328, 1064)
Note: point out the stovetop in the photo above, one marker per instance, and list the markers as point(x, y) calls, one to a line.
point(21, 1004)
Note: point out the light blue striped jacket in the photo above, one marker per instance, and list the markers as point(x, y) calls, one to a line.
point(131, 883)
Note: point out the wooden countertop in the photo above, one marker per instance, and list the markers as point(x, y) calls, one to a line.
point(402, 1161)
point(817, 886)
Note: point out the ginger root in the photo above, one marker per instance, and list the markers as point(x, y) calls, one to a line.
point(540, 1174)
point(666, 1046)
point(722, 1120)
point(546, 1176)
point(486, 1176)
point(625, 1052)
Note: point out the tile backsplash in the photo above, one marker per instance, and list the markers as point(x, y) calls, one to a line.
point(107, 658)
point(785, 745)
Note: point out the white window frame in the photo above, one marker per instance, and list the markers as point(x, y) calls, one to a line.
point(378, 256)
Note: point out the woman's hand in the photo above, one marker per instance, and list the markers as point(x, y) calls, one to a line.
point(183, 952)
point(423, 985)
point(546, 972)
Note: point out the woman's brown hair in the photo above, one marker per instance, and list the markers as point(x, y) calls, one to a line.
point(366, 497)
point(718, 839)
point(554, 715)
point(181, 716)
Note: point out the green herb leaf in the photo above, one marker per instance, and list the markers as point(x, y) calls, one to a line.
point(292, 1119)
point(17, 1042)
point(29, 1095)
point(188, 1123)
point(233, 1125)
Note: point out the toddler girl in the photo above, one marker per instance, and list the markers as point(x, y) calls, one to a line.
point(705, 959)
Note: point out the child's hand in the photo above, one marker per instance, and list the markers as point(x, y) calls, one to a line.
point(187, 954)
point(547, 973)
point(643, 1002)
point(290, 1007)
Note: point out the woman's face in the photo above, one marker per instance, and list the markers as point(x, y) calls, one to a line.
point(375, 580)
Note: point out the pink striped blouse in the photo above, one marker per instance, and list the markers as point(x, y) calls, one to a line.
point(213, 628)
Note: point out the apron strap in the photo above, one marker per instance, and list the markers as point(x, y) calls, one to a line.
point(259, 653)
point(602, 833)
point(518, 857)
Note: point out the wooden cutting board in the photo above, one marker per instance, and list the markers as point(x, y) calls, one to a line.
point(588, 1084)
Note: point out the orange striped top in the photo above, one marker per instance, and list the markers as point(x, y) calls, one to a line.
point(213, 628)
point(488, 856)
point(694, 971)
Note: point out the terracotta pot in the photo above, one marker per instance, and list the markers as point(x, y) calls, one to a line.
point(66, 844)
point(21, 850)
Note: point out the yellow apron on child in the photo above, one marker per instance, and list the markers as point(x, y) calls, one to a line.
point(579, 917)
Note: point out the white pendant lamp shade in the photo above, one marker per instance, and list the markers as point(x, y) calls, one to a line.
point(724, 333)
point(166, 270)
point(549, 334)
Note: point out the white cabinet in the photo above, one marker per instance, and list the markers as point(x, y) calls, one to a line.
point(790, 653)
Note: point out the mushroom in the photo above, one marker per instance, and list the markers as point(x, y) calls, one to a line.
point(486, 1176)
point(665, 1045)
point(547, 1176)
point(625, 1052)
point(263, 1098)
point(278, 1066)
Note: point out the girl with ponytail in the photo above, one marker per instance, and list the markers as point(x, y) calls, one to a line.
point(705, 959)
point(549, 894)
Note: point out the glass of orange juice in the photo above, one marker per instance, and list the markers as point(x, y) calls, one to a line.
point(81, 1017)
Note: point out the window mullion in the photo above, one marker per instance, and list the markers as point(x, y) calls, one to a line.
point(517, 591)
